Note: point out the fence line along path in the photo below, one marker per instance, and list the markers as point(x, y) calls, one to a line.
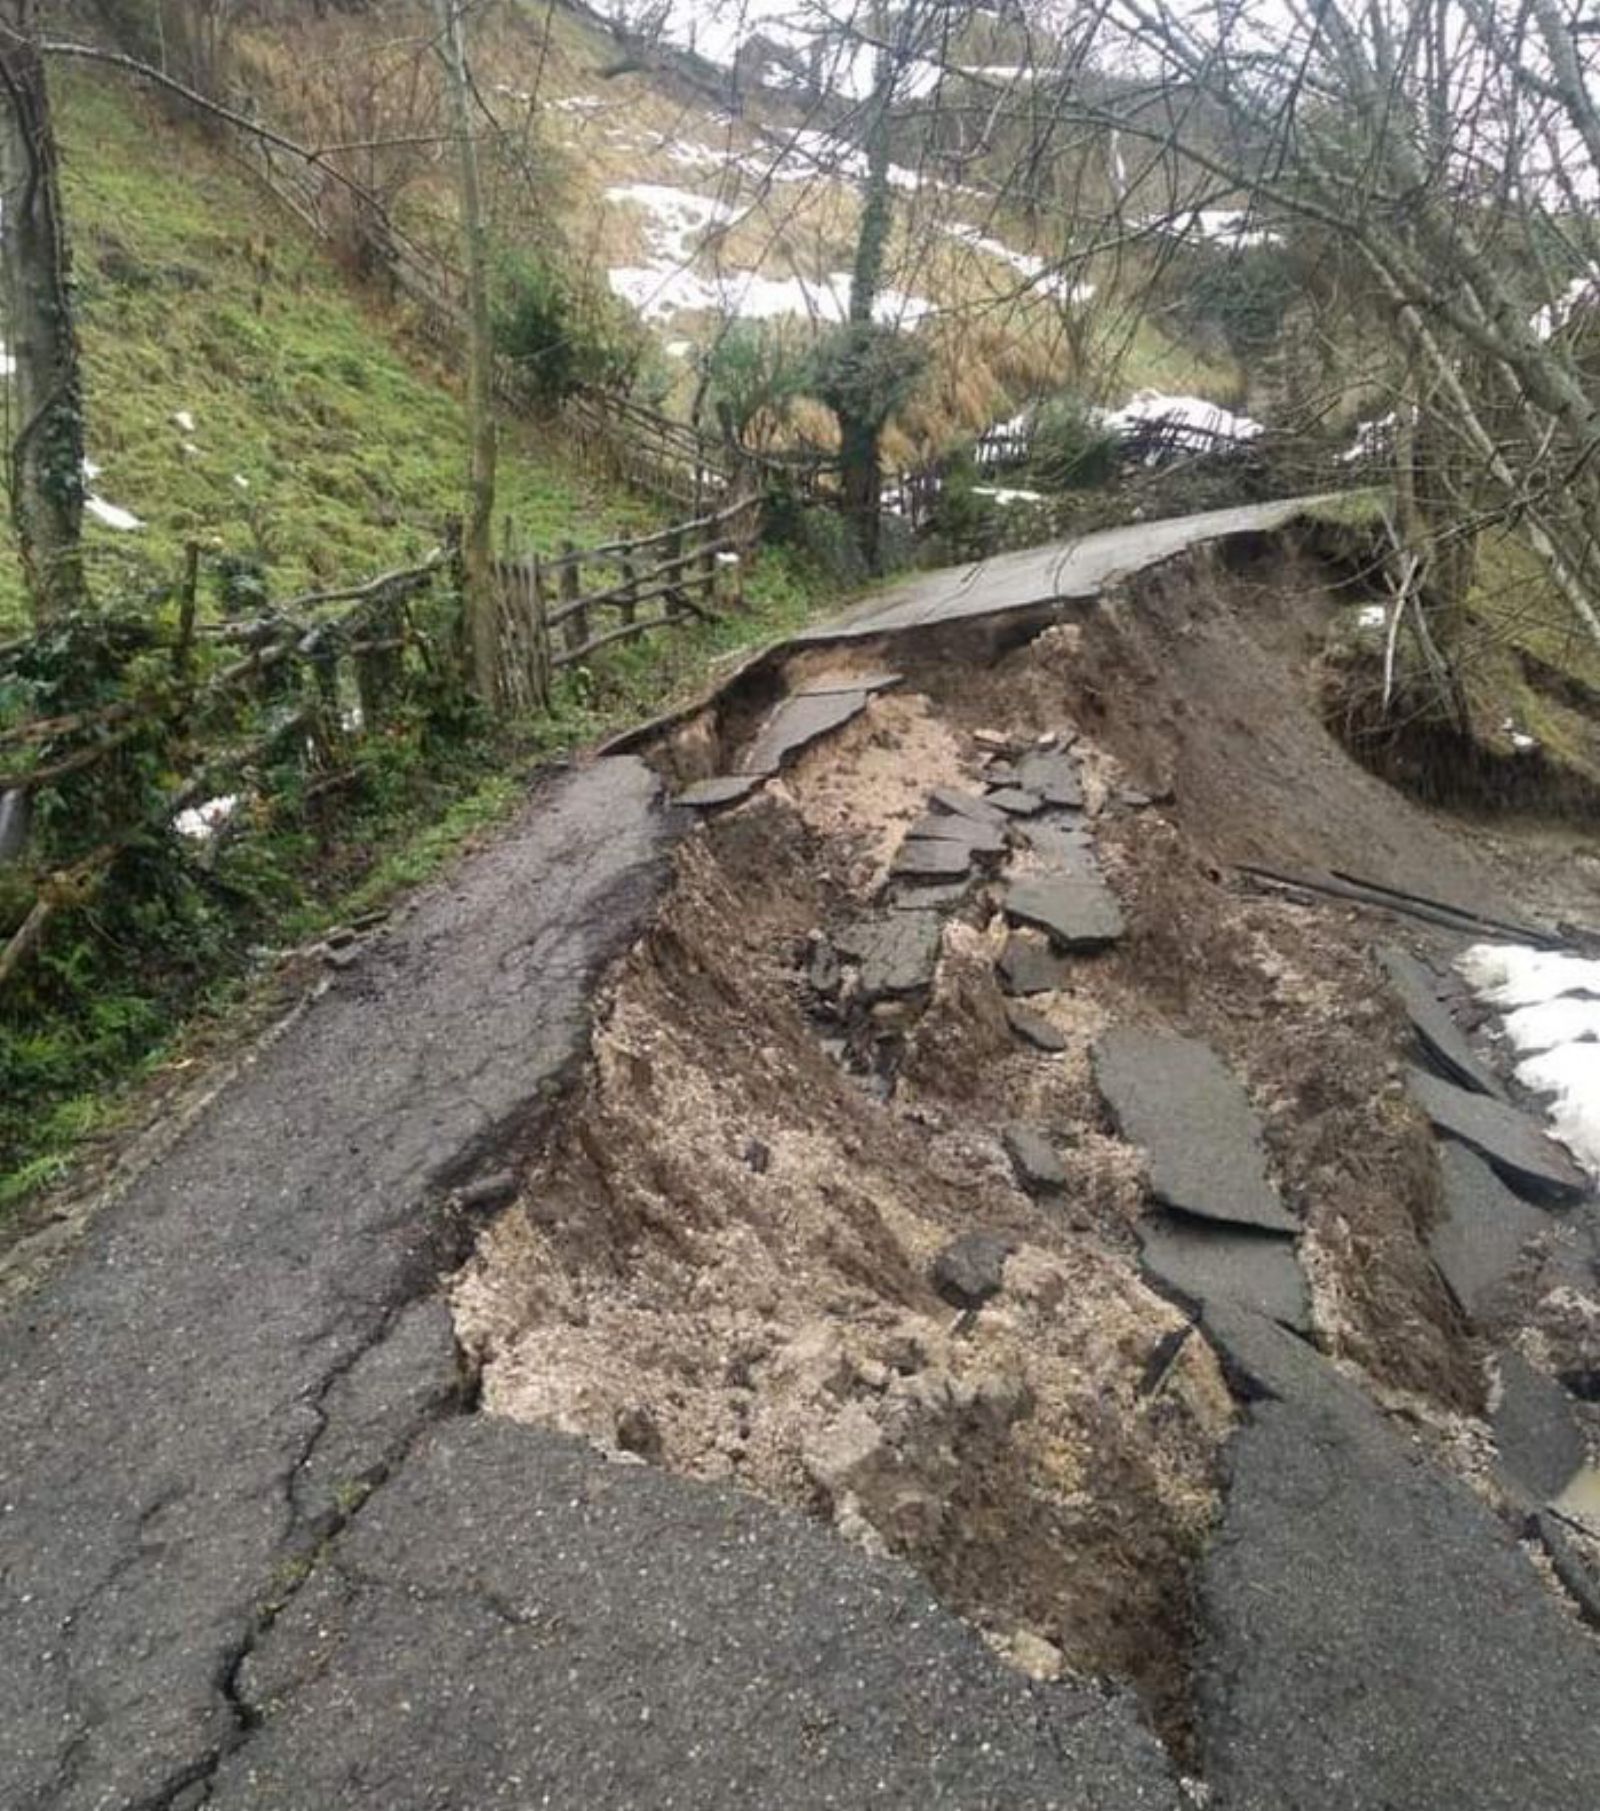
point(560, 610)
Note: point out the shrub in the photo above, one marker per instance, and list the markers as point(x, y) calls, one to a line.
point(1071, 449)
point(562, 333)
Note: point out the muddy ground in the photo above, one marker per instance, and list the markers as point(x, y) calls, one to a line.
point(721, 1263)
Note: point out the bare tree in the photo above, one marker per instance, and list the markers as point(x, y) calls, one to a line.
point(45, 473)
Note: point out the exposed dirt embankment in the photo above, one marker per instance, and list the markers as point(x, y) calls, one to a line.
point(724, 1261)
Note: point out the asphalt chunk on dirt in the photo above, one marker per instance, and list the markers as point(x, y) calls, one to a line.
point(1540, 1443)
point(1077, 914)
point(1201, 1262)
point(1371, 1633)
point(1513, 1143)
point(516, 1621)
point(1481, 1236)
point(1441, 1037)
point(795, 724)
point(723, 789)
point(1174, 1098)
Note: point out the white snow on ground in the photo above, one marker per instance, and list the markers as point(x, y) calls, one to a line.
point(1568, 1019)
point(185, 420)
point(1030, 266)
point(1556, 997)
point(807, 152)
point(1371, 438)
point(667, 285)
point(1570, 1074)
point(201, 822)
point(1373, 616)
point(1556, 314)
point(112, 514)
point(1008, 494)
point(1505, 975)
point(568, 103)
point(8, 365)
point(1192, 424)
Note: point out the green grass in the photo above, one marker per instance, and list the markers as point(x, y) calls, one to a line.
point(321, 447)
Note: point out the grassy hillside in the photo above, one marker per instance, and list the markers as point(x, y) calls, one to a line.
point(320, 447)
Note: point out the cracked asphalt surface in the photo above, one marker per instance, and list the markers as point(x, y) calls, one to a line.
point(257, 1554)
point(248, 1557)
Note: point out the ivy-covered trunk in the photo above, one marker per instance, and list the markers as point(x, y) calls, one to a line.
point(477, 534)
point(46, 453)
point(860, 477)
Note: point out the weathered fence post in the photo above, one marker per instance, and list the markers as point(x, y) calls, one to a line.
point(628, 605)
point(674, 596)
point(577, 624)
point(538, 630)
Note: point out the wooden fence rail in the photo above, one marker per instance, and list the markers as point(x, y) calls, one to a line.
point(551, 605)
point(295, 691)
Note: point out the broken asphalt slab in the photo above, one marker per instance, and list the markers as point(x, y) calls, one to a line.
point(1028, 965)
point(953, 802)
point(1034, 1028)
point(1509, 1139)
point(1540, 1444)
point(713, 794)
point(514, 1621)
point(794, 725)
point(1053, 776)
point(1440, 1036)
point(1197, 1262)
point(1075, 913)
point(233, 1348)
point(1173, 1097)
point(1034, 1159)
point(1479, 1240)
point(1371, 1635)
point(897, 952)
point(927, 858)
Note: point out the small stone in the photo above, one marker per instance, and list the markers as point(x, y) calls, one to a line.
point(346, 957)
point(487, 1192)
point(1034, 1028)
point(758, 1155)
point(1028, 965)
point(993, 738)
point(638, 1432)
point(1034, 1159)
point(970, 1270)
point(1038, 1658)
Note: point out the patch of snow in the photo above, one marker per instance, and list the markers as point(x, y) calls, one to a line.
point(92, 470)
point(1372, 438)
point(112, 514)
point(241, 481)
point(1009, 72)
point(8, 365)
point(1032, 267)
point(1521, 742)
point(1188, 423)
point(1004, 495)
point(1555, 315)
point(569, 103)
point(190, 449)
point(1373, 616)
point(1568, 1019)
point(201, 822)
point(1507, 975)
point(1571, 1075)
point(183, 419)
point(678, 348)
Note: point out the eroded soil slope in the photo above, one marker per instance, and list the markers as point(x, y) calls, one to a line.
point(728, 1259)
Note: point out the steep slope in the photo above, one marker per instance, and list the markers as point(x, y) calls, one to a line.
point(242, 392)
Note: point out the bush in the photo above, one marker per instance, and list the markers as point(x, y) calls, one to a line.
point(1072, 450)
point(752, 375)
point(562, 334)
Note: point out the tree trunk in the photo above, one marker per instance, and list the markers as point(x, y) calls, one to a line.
point(477, 547)
point(861, 479)
point(46, 456)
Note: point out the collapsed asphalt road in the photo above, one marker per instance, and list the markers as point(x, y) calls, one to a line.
point(257, 1549)
point(251, 1551)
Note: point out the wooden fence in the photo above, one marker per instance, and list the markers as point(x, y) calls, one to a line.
point(561, 610)
point(284, 700)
